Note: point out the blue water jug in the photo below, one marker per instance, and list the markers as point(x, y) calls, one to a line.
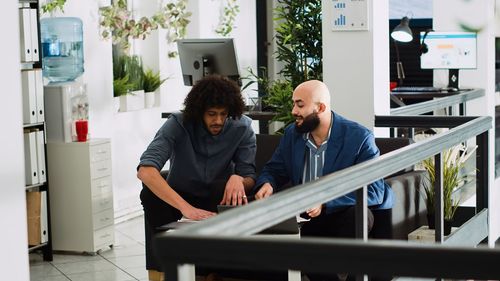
point(62, 48)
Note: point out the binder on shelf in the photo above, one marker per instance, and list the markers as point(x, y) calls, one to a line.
point(44, 230)
point(29, 97)
point(35, 56)
point(33, 204)
point(40, 108)
point(25, 28)
point(30, 158)
point(40, 155)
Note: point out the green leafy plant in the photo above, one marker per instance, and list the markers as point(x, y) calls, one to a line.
point(152, 80)
point(121, 86)
point(276, 94)
point(298, 40)
point(53, 6)
point(453, 163)
point(116, 22)
point(227, 18)
point(130, 67)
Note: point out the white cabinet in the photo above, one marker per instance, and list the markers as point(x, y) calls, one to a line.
point(81, 197)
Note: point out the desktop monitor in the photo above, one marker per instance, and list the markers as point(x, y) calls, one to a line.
point(449, 50)
point(201, 57)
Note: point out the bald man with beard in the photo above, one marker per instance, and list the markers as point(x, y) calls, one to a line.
point(321, 142)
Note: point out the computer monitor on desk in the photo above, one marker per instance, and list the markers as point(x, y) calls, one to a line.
point(201, 57)
point(449, 50)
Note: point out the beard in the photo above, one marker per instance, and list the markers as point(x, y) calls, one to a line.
point(309, 123)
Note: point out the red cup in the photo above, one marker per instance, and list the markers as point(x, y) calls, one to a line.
point(392, 85)
point(82, 130)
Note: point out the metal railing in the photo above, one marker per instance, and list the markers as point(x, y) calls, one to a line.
point(223, 241)
point(439, 103)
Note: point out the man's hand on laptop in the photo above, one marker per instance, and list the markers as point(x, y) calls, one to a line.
point(265, 190)
point(234, 193)
point(193, 213)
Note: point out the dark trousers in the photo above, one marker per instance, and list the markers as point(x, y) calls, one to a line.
point(157, 213)
point(339, 224)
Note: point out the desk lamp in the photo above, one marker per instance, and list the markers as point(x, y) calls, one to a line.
point(401, 33)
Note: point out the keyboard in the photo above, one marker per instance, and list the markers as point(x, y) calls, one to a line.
point(416, 89)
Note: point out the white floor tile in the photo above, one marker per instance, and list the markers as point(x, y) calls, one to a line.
point(85, 266)
point(139, 273)
point(124, 251)
point(50, 278)
point(43, 270)
point(66, 258)
point(110, 275)
point(129, 262)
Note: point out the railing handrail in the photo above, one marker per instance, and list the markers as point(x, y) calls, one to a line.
point(262, 214)
point(438, 103)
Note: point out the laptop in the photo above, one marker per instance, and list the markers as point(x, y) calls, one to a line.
point(288, 226)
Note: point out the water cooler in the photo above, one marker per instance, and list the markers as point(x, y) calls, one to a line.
point(62, 63)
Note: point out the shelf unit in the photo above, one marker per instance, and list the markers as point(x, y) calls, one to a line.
point(34, 125)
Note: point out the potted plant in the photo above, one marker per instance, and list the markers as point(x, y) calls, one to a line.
point(453, 163)
point(128, 70)
point(151, 82)
point(276, 96)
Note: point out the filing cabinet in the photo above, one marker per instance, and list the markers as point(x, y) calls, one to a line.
point(81, 195)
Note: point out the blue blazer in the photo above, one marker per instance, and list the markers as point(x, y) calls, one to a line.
point(349, 144)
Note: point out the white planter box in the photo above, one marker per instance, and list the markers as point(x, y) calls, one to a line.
point(132, 101)
point(149, 99)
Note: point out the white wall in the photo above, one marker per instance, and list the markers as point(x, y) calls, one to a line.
point(14, 254)
point(356, 65)
point(479, 14)
point(131, 132)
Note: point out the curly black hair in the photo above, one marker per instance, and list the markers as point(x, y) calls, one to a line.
point(213, 91)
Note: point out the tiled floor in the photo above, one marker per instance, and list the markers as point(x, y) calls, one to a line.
point(124, 262)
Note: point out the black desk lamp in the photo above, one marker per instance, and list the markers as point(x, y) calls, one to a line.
point(401, 33)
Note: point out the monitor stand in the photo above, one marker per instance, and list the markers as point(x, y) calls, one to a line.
point(453, 79)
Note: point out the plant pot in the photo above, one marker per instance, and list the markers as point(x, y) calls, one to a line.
point(132, 101)
point(149, 99)
point(432, 224)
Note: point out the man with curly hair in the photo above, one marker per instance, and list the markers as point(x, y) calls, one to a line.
point(211, 147)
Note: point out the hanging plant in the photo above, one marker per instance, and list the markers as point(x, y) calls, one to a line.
point(227, 18)
point(53, 5)
point(118, 23)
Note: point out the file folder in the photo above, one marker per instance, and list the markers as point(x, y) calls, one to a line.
point(38, 87)
point(29, 97)
point(40, 153)
point(35, 56)
point(30, 158)
point(25, 30)
point(44, 230)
